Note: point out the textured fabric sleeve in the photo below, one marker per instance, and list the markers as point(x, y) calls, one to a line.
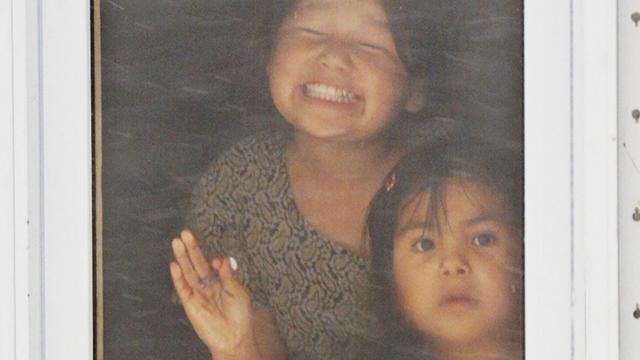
point(210, 213)
point(217, 215)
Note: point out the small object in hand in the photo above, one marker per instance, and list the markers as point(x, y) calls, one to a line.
point(636, 313)
point(636, 114)
point(635, 17)
point(233, 262)
point(208, 280)
point(636, 215)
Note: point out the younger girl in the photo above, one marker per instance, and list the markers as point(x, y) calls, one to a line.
point(446, 246)
point(290, 206)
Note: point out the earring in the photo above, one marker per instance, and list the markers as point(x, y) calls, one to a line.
point(391, 182)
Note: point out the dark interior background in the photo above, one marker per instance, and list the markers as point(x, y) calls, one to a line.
point(178, 83)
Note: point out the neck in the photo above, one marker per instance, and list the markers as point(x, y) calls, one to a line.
point(342, 160)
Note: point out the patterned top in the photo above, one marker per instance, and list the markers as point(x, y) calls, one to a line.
point(243, 207)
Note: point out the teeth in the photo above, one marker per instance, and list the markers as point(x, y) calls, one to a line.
point(329, 93)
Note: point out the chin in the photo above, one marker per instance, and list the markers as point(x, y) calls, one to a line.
point(462, 334)
point(328, 133)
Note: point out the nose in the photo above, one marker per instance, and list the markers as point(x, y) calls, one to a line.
point(454, 264)
point(336, 55)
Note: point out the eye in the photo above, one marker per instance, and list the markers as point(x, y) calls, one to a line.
point(483, 239)
point(371, 46)
point(312, 32)
point(424, 245)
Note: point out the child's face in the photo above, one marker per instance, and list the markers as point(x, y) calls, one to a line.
point(334, 71)
point(459, 285)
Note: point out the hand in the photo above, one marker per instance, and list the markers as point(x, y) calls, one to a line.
point(221, 312)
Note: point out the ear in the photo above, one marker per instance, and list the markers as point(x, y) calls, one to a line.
point(417, 96)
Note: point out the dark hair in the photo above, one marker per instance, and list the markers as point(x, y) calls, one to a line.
point(426, 171)
point(416, 26)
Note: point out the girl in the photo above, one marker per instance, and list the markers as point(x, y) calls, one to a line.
point(290, 207)
point(446, 247)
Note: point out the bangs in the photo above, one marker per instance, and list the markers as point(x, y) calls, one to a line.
point(429, 189)
point(436, 212)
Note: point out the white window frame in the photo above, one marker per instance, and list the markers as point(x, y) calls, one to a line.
point(595, 174)
point(45, 186)
point(629, 176)
point(570, 196)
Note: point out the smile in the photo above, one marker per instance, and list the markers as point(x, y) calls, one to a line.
point(329, 93)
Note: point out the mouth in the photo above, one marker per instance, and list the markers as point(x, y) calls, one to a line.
point(458, 300)
point(329, 93)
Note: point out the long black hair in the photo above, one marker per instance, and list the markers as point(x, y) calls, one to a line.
point(426, 171)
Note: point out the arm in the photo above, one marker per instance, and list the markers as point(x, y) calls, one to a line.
point(217, 206)
point(267, 337)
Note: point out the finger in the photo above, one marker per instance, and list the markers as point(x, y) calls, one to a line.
point(215, 287)
point(180, 252)
point(192, 301)
point(229, 283)
point(216, 262)
point(215, 290)
point(185, 292)
point(198, 260)
point(210, 285)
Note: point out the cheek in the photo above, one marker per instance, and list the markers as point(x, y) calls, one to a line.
point(390, 91)
point(388, 70)
point(276, 65)
point(280, 57)
point(414, 285)
point(387, 79)
point(503, 289)
point(280, 76)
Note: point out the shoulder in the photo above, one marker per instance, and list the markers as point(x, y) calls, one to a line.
point(223, 190)
point(264, 143)
point(262, 150)
point(257, 152)
point(246, 164)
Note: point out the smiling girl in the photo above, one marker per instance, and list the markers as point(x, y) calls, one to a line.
point(446, 246)
point(290, 206)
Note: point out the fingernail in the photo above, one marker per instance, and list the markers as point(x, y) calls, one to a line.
point(233, 263)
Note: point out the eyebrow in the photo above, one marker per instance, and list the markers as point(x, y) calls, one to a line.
point(487, 217)
point(414, 225)
point(484, 217)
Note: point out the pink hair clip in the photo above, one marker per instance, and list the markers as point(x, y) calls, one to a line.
point(391, 182)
